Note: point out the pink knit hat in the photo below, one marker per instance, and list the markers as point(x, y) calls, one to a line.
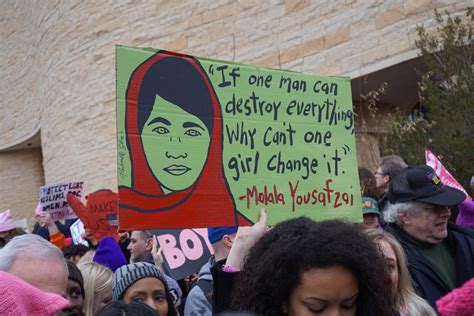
point(20, 298)
point(459, 302)
point(6, 222)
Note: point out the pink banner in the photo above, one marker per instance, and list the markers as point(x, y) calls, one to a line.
point(443, 173)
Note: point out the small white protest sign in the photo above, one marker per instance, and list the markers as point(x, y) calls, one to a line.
point(77, 229)
point(53, 199)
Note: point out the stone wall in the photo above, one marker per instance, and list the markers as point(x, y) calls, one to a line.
point(58, 66)
point(21, 174)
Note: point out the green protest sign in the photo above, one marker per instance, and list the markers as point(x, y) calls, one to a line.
point(205, 143)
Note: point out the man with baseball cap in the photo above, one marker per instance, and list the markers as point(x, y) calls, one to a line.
point(440, 254)
point(370, 213)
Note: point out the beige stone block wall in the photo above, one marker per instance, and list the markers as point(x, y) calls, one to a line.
point(20, 73)
point(21, 174)
point(58, 65)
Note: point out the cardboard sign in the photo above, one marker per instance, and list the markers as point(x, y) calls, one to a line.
point(207, 143)
point(99, 214)
point(77, 230)
point(184, 251)
point(53, 199)
point(443, 173)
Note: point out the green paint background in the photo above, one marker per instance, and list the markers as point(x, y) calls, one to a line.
point(128, 59)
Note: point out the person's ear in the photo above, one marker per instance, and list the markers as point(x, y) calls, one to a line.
point(149, 244)
point(228, 240)
point(405, 219)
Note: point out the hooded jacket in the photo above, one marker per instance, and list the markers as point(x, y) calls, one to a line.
point(197, 302)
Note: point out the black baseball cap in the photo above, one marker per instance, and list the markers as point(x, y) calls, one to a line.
point(420, 183)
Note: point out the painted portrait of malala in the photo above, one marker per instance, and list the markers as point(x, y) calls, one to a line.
point(174, 138)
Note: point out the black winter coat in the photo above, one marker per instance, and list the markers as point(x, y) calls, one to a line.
point(427, 283)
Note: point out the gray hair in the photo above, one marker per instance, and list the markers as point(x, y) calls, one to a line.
point(392, 212)
point(392, 165)
point(29, 245)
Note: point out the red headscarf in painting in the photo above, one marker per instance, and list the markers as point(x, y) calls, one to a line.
point(179, 79)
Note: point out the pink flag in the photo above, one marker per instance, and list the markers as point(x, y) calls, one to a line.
point(443, 173)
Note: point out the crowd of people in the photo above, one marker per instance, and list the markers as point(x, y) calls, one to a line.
point(413, 254)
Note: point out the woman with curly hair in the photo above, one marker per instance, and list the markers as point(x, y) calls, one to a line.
point(407, 301)
point(302, 267)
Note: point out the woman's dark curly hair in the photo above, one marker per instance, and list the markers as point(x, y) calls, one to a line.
point(75, 250)
point(368, 184)
point(275, 264)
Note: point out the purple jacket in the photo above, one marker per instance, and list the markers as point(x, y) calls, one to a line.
point(466, 214)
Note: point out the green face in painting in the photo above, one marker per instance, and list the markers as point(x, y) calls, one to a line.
point(176, 145)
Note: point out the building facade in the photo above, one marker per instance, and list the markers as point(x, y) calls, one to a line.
point(57, 63)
